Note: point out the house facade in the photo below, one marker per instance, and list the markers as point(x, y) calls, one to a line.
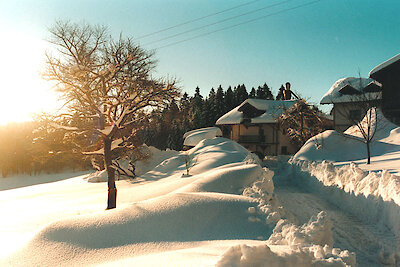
point(351, 98)
point(254, 125)
point(388, 74)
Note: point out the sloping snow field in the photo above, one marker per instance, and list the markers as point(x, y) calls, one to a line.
point(224, 213)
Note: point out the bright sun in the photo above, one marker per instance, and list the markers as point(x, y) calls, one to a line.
point(23, 92)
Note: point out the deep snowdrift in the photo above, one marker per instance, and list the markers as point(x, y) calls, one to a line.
point(333, 164)
point(290, 245)
point(341, 149)
point(166, 217)
point(335, 150)
point(192, 138)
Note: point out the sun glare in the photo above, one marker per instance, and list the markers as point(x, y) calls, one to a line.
point(23, 92)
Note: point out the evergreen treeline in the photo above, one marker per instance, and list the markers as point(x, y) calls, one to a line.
point(167, 126)
point(36, 147)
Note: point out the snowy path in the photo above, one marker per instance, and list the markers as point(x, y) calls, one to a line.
point(348, 231)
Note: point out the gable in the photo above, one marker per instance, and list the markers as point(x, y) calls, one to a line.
point(349, 90)
point(256, 111)
point(249, 111)
point(372, 87)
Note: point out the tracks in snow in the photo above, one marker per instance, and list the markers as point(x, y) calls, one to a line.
point(349, 232)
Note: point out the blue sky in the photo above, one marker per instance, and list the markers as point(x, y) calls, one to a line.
point(311, 47)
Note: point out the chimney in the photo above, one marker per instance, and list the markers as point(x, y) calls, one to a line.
point(287, 94)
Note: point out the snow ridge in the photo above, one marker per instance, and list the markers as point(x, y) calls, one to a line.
point(372, 197)
point(310, 244)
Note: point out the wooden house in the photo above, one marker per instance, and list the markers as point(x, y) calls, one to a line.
point(388, 74)
point(351, 98)
point(254, 125)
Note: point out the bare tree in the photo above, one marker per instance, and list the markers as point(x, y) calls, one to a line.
point(106, 83)
point(357, 108)
point(302, 121)
point(365, 129)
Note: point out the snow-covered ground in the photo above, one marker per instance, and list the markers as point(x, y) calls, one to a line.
point(363, 218)
point(223, 213)
point(343, 149)
point(332, 166)
point(192, 138)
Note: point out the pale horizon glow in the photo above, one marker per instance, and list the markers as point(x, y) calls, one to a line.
point(24, 92)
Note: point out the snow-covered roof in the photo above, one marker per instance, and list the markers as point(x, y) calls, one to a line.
point(337, 93)
point(272, 110)
point(192, 138)
point(384, 64)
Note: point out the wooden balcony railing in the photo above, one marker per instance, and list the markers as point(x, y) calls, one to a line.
point(251, 139)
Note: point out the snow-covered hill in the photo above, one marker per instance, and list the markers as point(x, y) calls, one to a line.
point(223, 213)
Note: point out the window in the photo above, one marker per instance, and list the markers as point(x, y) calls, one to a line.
point(355, 114)
point(226, 131)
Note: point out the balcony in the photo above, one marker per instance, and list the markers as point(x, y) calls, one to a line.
point(251, 139)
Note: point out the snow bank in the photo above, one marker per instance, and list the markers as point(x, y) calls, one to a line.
point(370, 195)
point(192, 138)
point(344, 150)
point(153, 157)
point(291, 245)
point(25, 180)
point(310, 244)
point(164, 217)
point(96, 177)
point(162, 210)
point(380, 126)
point(334, 165)
point(349, 147)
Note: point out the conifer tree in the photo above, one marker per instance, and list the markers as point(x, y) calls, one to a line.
point(196, 109)
point(173, 111)
point(253, 93)
point(264, 92)
point(208, 114)
point(268, 93)
point(219, 103)
point(240, 94)
point(228, 100)
point(211, 95)
point(210, 108)
point(184, 105)
point(175, 140)
point(260, 93)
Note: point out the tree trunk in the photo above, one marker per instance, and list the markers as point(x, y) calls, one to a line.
point(112, 190)
point(368, 154)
